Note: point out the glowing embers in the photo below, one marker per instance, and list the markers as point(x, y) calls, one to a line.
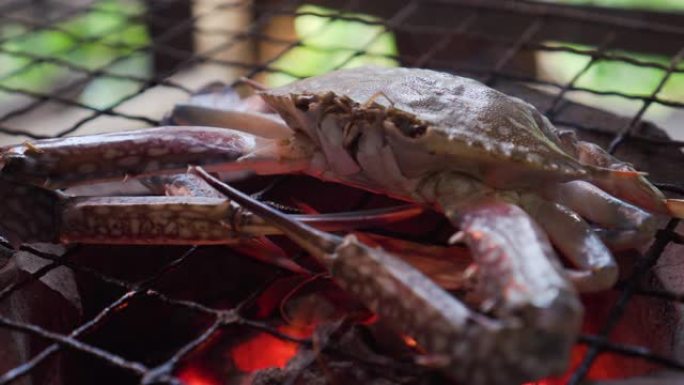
point(298, 306)
point(283, 320)
point(647, 323)
point(265, 350)
point(235, 353)
point(313, 309)
point(195, 376)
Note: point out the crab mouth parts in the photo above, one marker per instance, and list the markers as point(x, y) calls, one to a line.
point(370, 112)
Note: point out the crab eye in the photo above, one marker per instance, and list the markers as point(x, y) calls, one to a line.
point(408, 127)
point(302, 103)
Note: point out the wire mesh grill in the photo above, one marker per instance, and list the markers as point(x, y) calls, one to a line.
point(532, 25)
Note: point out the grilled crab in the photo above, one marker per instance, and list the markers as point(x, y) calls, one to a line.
point(494, 166)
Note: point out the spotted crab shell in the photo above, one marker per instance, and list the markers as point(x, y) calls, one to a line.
point(470, 127)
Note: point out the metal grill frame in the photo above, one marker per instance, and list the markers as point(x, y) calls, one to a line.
point(163, 44)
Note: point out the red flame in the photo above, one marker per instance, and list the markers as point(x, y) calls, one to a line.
point(194, 376)
point(267, 351)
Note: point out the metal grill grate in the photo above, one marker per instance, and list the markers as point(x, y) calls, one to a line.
point(427, 32)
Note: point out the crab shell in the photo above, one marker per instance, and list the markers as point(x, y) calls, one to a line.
point(396, 133)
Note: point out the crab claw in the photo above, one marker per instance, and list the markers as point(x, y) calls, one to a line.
point(523, 282)
point(64, 162)
point(537, 312)
point(595, 268)
point(633, 187)
point(622, 224)
point(616, 177)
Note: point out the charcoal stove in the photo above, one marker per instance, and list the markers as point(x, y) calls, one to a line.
point(212, 315)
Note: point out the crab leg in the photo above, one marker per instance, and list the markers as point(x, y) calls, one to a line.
point(191, 220)
point(147, 220)
point(637, 190)
point(596, 266)
point(447, 266)
point(63, 162)
point(180, 185)
point(253, 122)
point(518, 273)
point(192, 185)
point(34, 214)
point(625, 224)
point(539, 313)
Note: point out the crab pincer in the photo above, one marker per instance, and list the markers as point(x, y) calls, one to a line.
point(64, 162)
point(529, 335)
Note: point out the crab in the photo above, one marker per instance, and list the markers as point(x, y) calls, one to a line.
point(515, 187)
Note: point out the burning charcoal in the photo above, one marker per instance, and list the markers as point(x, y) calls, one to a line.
point(665, 377)
point(341, 354)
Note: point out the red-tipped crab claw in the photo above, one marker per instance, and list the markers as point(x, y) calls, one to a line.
point(491, 163)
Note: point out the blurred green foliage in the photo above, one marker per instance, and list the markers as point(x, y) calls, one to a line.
point(90, 41)
point(332, 43)
point(613, 75)
point(617, 76)
point(106, 34)
point(327, 44)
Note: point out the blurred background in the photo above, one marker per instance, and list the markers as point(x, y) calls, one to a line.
point(79, 65)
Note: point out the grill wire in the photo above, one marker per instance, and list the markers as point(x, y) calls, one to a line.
point(164, 44)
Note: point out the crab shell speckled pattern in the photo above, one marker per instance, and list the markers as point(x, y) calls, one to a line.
point(469, 127)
